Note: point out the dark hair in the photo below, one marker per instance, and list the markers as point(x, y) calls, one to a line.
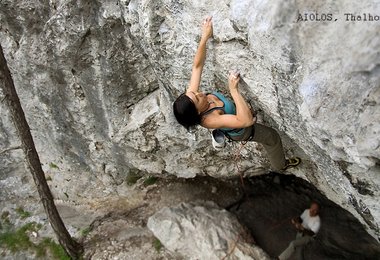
point(316, 203)
point(185, 112)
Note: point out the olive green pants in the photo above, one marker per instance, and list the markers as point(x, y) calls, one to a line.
point(271, 141)
point(297, 243)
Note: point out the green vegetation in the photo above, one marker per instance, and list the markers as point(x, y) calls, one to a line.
point(150, 180)
point(22, 213)
point(18, 239)
point(5, 218)
point(56, 250)
point(132, 178)
point(157, 244)
point(4, 215)
point(53, 165)
point(84, 232)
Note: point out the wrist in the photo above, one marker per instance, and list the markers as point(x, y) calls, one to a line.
point(234, 91)
point(204, 38)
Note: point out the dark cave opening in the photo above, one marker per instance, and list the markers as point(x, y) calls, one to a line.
point(270, 201)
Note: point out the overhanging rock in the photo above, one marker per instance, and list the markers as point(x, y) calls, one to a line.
point(202, 230)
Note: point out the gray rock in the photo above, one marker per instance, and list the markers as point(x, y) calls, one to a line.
point(202, 230)
point(97, 79)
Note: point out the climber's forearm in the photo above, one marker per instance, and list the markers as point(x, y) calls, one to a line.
point(200, 55)
point(243, 111)
point(199, 61)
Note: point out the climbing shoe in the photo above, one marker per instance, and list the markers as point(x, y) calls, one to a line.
point(291, 162)
point(218, 139)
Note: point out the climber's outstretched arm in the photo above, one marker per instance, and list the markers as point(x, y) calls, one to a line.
point(243, 117)
point(200, 56)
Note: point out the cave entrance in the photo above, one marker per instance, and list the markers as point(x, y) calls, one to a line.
point(271, 201)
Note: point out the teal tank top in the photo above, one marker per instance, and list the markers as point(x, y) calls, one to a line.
point(228, 108)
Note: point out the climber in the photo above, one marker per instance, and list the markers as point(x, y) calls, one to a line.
point(215, 111)
point(307, 226)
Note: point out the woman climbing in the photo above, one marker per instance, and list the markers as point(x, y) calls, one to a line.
point(215, 111)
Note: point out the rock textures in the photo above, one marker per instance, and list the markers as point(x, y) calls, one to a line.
point(202, 230)
point(97, 79)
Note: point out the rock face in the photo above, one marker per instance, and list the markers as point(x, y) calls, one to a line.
point(97, 80)
point(203, 231)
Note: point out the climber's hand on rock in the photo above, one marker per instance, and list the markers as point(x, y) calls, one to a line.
point(233, 80)
point(207, 28)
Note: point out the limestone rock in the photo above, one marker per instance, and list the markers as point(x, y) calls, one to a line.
point(202, 230)
point(97, 80)
point(121, 239)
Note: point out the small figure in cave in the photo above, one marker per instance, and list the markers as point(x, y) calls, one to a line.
point(235, 120)
point(307, 225)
